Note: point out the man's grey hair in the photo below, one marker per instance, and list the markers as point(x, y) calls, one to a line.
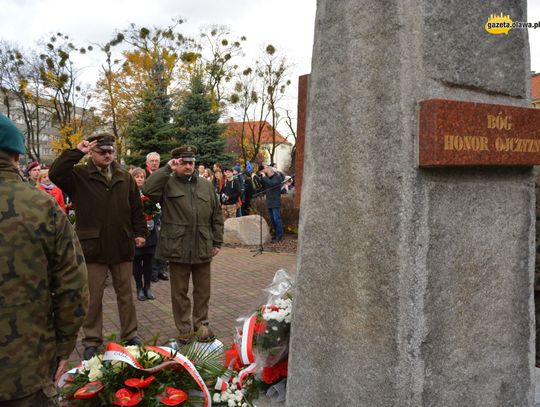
point(152, 154)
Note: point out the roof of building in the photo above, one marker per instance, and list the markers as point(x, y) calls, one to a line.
point(253, 128)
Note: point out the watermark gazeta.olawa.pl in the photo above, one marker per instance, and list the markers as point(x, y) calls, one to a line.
point(502, 24)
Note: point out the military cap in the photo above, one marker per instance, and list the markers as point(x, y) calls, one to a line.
point(186, 152)
point(32, 165)
point(11, 138)
point(105, 141)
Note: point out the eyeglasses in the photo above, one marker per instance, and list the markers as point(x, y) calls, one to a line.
point(104, 152)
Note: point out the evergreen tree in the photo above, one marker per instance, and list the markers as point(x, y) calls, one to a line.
point(198, 124)
point(151, 129)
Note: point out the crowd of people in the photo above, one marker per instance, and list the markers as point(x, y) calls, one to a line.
point(130, 224)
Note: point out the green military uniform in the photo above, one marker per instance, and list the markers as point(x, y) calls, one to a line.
point(108, 214)
point(108, 217)
point(43, 288)
point(192, 224)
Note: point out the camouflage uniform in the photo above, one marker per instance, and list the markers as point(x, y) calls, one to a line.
point(43, 288)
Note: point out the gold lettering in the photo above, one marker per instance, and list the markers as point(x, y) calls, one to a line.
point(467, 142)
point(448, 142)
point(484, 144)
point(500, 144)
point(491, 121)
point(499, 122)
point(517, 145)
point(458, 143)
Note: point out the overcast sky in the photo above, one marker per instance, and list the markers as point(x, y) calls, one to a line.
point(287, 24)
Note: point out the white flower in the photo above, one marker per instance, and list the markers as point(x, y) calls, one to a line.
point(152, 356)
point(225, 395)
point(231, 403)
point(244, 405)
point(95, 373)
point(94, 362)
point(92, 367)
point(217, 397)
point(117, 365)
point(239, 397)
point(134, 350)
point(84, 367)
point(274, 328)
point(233, 387)
point(235, 380)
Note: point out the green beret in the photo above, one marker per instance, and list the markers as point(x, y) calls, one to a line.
point(105, 141)
point(11, 138)
point(186, 152)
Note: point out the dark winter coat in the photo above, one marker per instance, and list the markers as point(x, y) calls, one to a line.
point(191, 218)
point(230, 192)
point(272, 189)
point(108, 215)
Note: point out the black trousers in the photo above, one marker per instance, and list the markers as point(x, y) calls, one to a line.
point(159, 267)
point(142, 270)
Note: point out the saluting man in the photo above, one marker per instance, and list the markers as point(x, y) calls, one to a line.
point(191, 234)
point(110, 222)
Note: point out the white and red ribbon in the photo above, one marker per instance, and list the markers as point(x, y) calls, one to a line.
point(246, 348)
point(186, 364)
point(245, 372)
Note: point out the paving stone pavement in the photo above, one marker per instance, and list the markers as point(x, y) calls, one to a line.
point(237, 279)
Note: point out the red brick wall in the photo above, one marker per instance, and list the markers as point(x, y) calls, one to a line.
point(300, 136)
point(535, 88)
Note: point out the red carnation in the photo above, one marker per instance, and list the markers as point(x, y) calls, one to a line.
point(270, 374)
point(283, 368)
point(260, 327)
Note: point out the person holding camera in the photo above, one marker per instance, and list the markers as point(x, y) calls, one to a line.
point(229, 194)
point(270, 181)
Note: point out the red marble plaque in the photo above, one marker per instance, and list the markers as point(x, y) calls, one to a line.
point(454, 133)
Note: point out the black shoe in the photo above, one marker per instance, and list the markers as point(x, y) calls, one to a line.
point(163, 276)
point(149, 294)
point(89, 352)
point(135, 341)
point(154, 279)
point(141, 296)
